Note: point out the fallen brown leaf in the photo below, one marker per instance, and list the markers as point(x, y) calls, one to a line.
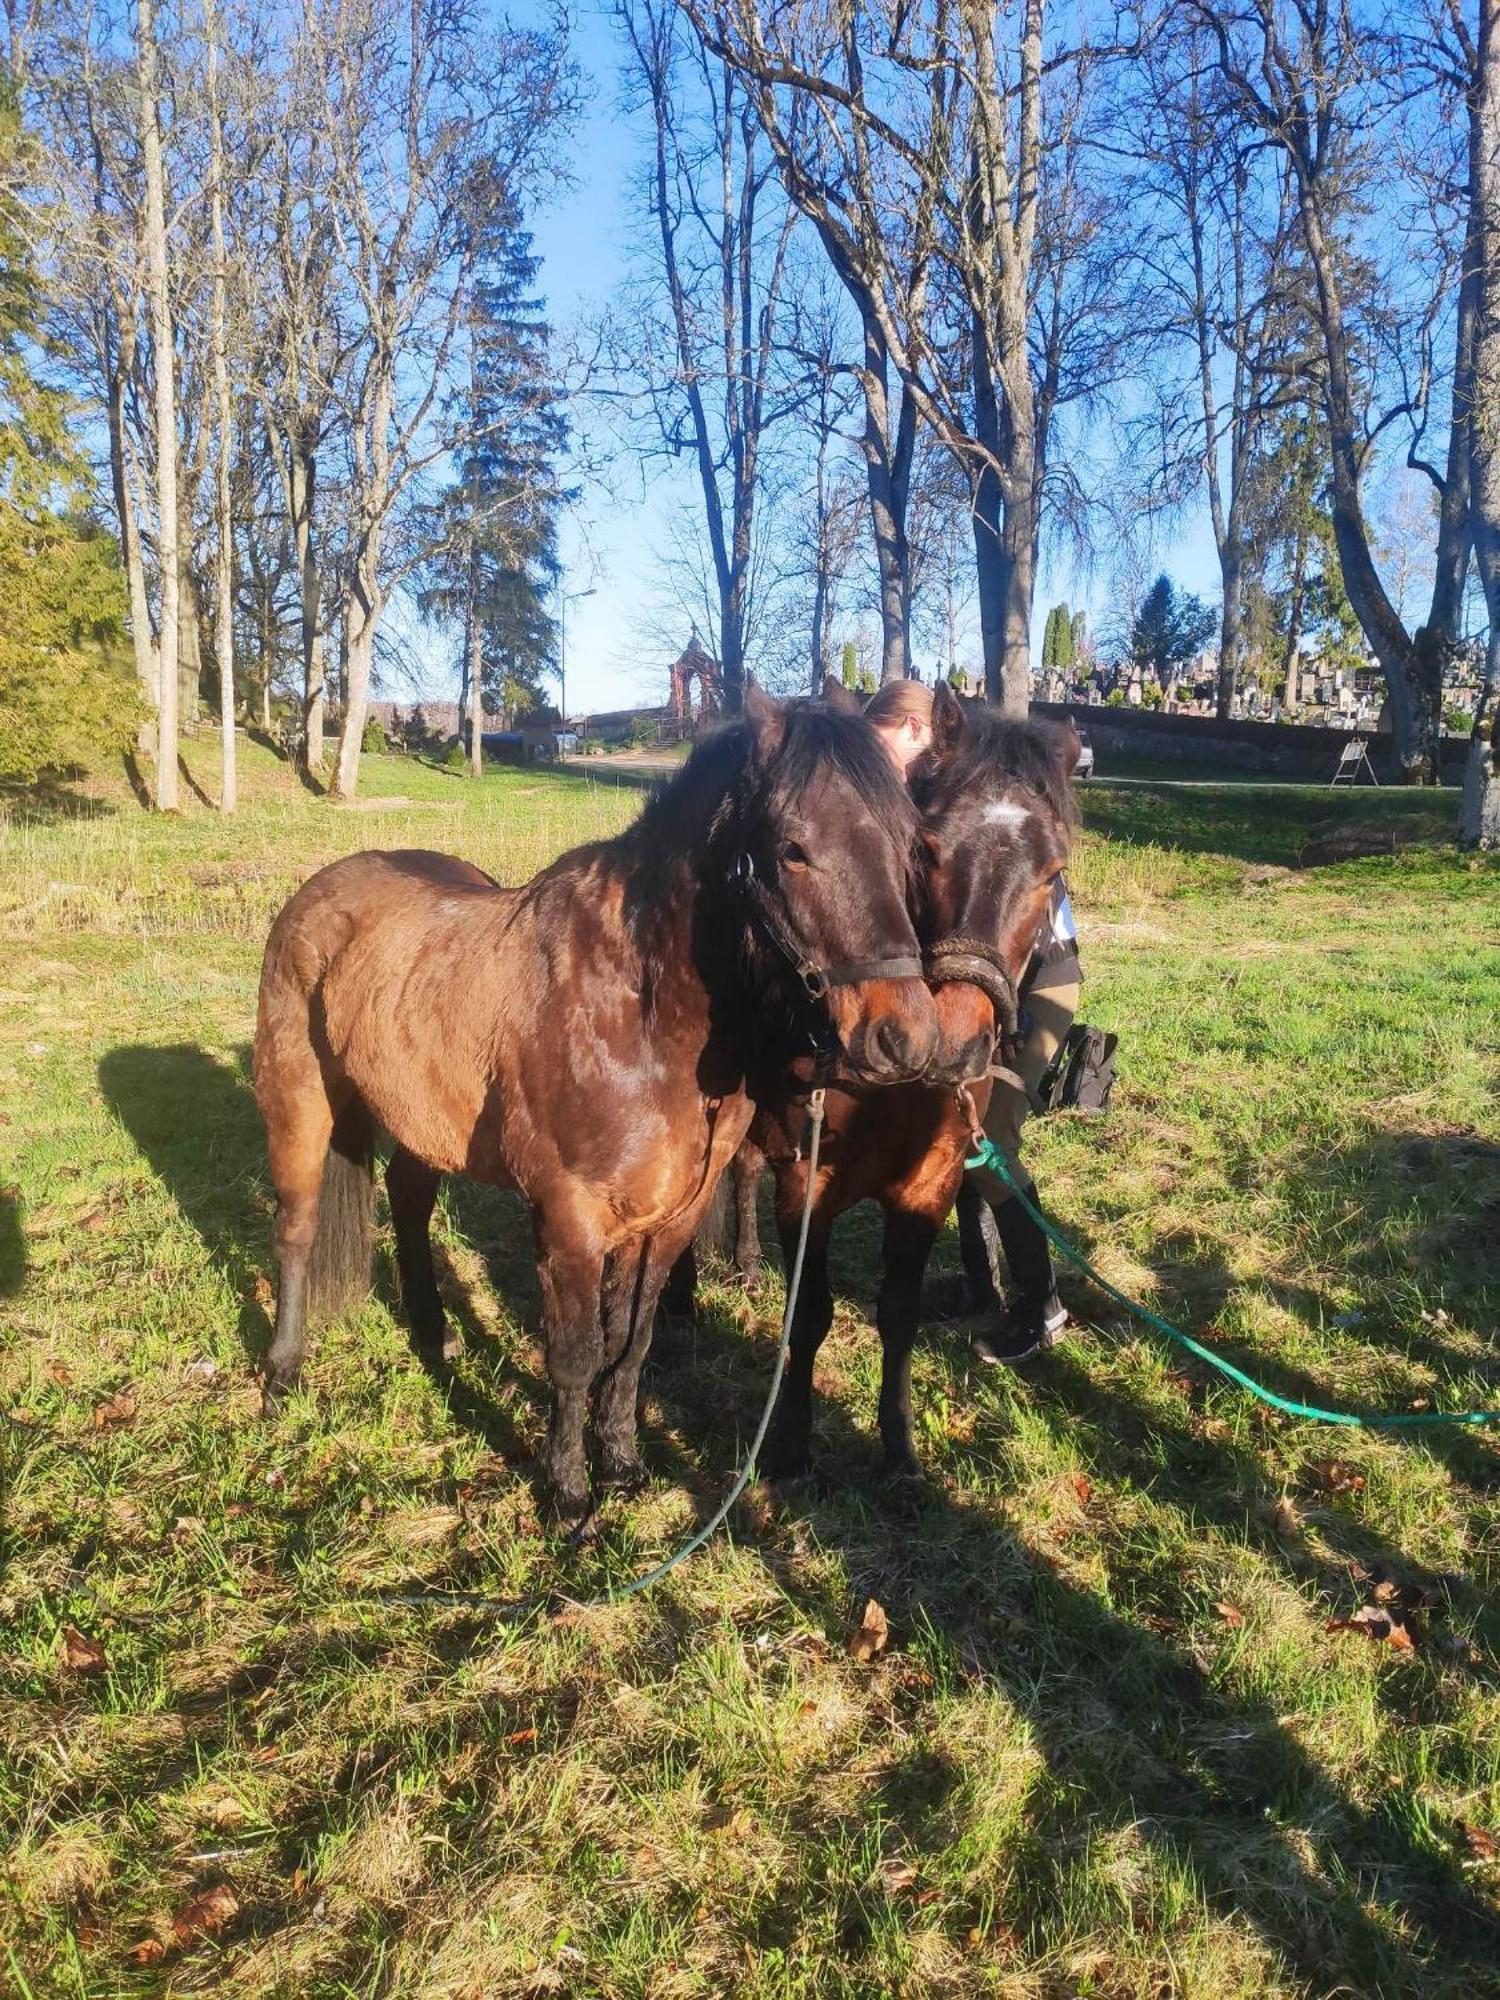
point(81, 1654)
point(205, 1915)
point(1482, 1845)
point(1283, 1516)
point(871, 1636)
point(1334, 1476)
point(520, 1736)
point(1081, 1487)
point(1377, 1622)
point(150, 1951)
point(894, 1875)
point(61, 1374)
point(1231, 1614)
point(116, 1410)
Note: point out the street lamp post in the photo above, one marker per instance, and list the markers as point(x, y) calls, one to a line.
point(564, 599)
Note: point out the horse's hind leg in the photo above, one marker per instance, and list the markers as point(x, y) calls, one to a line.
point(633, 1284)
point(297, 1135)
point(748, 1165)
point(412, 1187)
point(909, 1237)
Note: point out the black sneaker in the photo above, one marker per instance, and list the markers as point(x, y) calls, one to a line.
point(1027, 1327)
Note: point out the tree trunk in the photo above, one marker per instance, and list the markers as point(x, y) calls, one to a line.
point(887, 472)
point(1479, 812)
point(362, 607)
point(1231, 621)
point(301, 493)
point(189, 649)
point(218, 338)
point(1019, 535)
point(147, 667)
point(473, 689)
point(159, 294)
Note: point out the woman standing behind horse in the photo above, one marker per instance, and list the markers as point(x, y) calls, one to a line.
point(593, 1039)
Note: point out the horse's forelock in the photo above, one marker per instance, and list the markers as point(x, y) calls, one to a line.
point(1023, 755)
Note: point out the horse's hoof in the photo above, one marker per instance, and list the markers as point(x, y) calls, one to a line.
point(585, 1532)
point(896, 1466)
point(782, 1462)
point(274, 1391)
point(626, 1476)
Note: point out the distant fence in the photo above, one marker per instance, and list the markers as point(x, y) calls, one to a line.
point(1277, 749)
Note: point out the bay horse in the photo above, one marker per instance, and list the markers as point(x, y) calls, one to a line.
point(997, 812)
point(595, 1039)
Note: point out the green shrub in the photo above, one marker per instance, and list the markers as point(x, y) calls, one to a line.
point(373, 742)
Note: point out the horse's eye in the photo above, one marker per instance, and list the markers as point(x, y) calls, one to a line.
point(794, 854)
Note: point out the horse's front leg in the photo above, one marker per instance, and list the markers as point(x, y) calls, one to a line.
point(909, 1237)
point(570, 1267)
point(788, 1447)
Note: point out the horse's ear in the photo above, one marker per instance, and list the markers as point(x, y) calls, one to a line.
point(767, 720)
point(1067, 748)
point(838, 697)
point(948, 724)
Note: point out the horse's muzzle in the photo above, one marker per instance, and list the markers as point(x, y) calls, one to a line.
point(888, 1029)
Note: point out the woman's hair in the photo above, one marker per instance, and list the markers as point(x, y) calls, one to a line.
point(891, 705)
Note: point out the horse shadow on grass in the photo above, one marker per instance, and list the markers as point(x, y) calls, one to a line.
point(1140, 1743)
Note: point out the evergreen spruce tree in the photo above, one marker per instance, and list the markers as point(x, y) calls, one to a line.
point(499, 561)
point(66, 690)
point(849, 664)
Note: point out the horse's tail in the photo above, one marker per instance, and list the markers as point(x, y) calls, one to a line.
point(344, 1247)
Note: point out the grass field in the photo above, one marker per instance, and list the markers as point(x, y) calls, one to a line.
point(1113, 1748)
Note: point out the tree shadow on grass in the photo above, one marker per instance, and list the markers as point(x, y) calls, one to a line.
point(1139, 1741)
point(1269, 825)
point(193, 1118)
point(50, 799)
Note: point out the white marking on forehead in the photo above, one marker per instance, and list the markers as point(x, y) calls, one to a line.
point(1005, 812)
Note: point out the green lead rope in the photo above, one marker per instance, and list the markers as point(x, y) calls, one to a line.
point(988, 1154)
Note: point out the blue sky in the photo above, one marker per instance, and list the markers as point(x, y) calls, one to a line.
point(583, 238)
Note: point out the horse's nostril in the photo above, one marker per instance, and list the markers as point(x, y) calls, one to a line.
point(902, 1045)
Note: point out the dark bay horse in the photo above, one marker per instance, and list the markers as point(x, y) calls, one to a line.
point(997, 814)
point(594, 1039)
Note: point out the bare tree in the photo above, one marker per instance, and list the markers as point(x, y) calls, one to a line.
point(158, 285)
point(1479, 816)
point(1218, 279)
point(224, 415)
point(433, 117)
point(719, 266)
point(1302, 77)
point(304, 344)
point(921, 161)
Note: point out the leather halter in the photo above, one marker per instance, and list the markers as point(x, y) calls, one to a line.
point(815, 979)
point(959, 959)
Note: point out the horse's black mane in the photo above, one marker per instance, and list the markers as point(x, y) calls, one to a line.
point(1025, 751)
point(721, 779)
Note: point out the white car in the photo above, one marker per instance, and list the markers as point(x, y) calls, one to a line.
point(1084, 768)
